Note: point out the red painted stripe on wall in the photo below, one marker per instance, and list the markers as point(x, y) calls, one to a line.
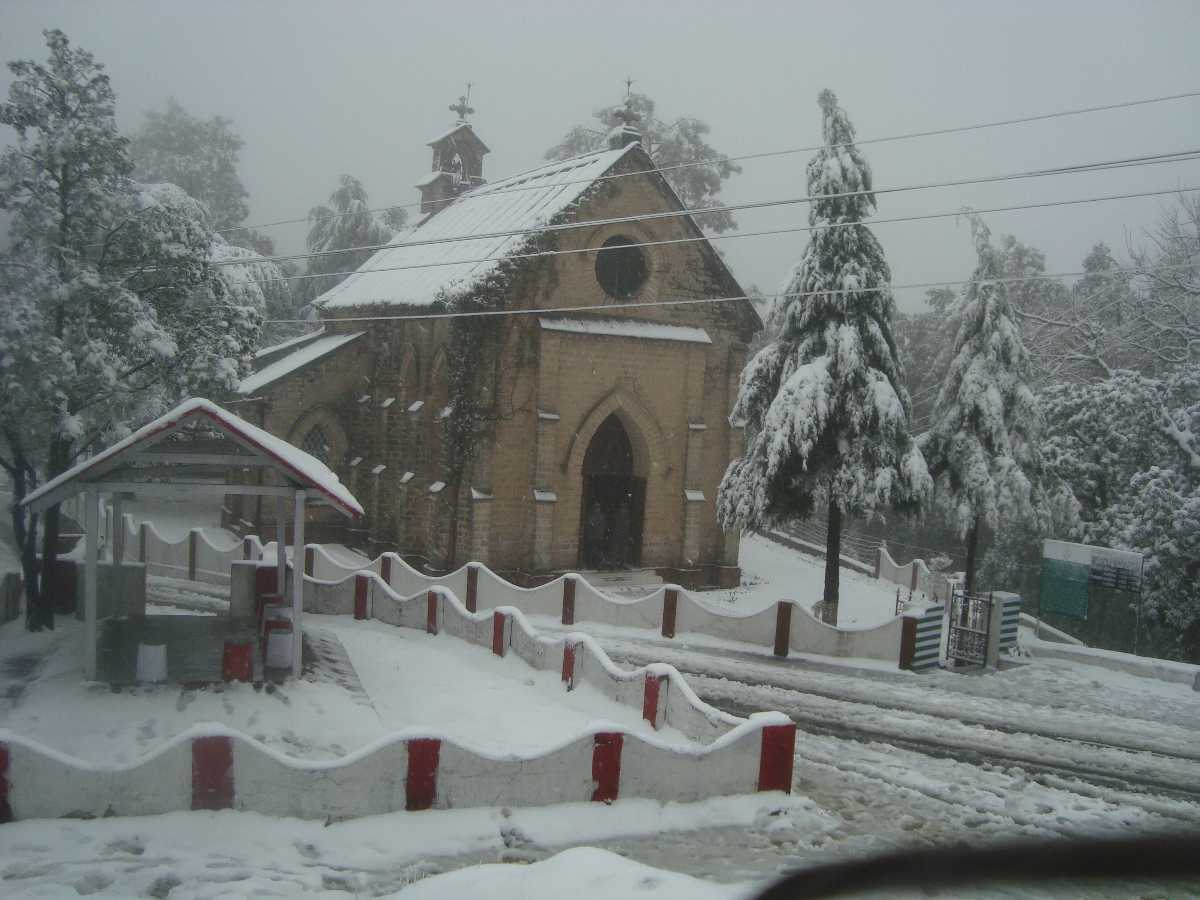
point(776, 758)
point(650, 699)
point(6, 813)
point(568, 667)
point(360, 596)
point(498, 642)
point(212, 773)
point(421, 781)
point(606, 765)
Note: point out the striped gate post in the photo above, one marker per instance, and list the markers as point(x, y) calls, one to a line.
point(927, 640)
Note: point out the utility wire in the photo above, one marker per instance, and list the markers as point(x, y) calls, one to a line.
point(657, 304)
point(793, 229)
point(1080, 168)
point(936, 132)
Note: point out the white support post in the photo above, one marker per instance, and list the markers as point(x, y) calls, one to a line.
point(117, 535)
point(281, 544)
point(91, 516)
point(297, 581)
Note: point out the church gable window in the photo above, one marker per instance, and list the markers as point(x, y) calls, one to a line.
point(621, 267)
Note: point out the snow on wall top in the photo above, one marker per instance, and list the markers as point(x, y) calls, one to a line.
point(632, 328)
point(540, 194)
point(309, 471)
point(294, 360)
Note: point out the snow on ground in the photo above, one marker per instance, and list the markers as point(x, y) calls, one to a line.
point(411, 681)
point(240, 855)
point(589, 872)
point(772, 572)
point(470, 695)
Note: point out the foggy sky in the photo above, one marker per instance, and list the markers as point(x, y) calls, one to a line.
point(318, 89)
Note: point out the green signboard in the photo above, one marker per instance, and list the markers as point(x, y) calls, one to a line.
point(1069, 570)
point(1064, 588)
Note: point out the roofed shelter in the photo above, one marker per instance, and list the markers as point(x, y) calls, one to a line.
point(196, 450)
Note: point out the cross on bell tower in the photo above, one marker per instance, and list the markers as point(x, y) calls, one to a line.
point(626, 132)
point(457, 163)
point(463, 107)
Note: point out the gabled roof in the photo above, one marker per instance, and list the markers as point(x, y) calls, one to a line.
point(304, 470)
point(303, 354)
point(413, 272)
point(454, 132)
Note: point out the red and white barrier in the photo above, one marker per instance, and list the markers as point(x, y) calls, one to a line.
point(213, 768)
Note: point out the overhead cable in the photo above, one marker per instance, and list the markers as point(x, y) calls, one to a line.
point(793, 229)
point(721, 160)
point(698, 301)
point(1076, 169)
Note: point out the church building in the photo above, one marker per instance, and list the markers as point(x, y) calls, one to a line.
point(580, 423)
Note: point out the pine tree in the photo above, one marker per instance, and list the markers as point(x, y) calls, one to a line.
point(346, 221)
point(112, 311)
point(983, 448)
point(824, 402)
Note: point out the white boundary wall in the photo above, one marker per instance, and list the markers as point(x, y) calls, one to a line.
point(210, 767)
point(208, 554)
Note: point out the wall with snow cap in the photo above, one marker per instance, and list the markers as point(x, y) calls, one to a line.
point(203, 554)
point(584, 603)
point(915, 576)
point(329, 571)
point(209, 767)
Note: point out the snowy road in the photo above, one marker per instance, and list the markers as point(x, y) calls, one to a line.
point(1115, 731)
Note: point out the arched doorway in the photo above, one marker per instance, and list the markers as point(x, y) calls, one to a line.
point(614, 501)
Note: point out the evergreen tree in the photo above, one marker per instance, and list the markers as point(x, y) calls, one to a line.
point(983, 446)
point(824, 402)
point(345, 221)
point(111, 308)
point(669, 144)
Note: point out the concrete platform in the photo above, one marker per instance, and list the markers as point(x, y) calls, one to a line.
point(195, 646)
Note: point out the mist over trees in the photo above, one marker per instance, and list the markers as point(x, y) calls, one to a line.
point(345, 220)
point(113, 312)
point(682, 141)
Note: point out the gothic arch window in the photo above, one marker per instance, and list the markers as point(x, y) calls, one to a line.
point(621, 267)
point(318, 433)
point(316, 443)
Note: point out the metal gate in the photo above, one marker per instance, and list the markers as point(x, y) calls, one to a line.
point(970, 616)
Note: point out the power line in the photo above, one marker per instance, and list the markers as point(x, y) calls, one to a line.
point(1076, 169)
point(609, 307)
point(732, 236)
point(936, 132)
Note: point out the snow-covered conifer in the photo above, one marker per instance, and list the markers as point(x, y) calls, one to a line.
point(824, 404)
point(983, 446)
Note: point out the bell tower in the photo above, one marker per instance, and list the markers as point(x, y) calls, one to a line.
point(457, 160)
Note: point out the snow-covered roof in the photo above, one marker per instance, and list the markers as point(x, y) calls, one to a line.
point(630, 328)
point(289, 344)
point(414, 271)
point(457, 127)
point(308, 471)
point(292, 361)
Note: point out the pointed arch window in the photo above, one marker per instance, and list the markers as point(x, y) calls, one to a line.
point(316, 443)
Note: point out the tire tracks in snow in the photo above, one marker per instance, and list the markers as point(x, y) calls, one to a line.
point(1172, 741)
point(1106, 765)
